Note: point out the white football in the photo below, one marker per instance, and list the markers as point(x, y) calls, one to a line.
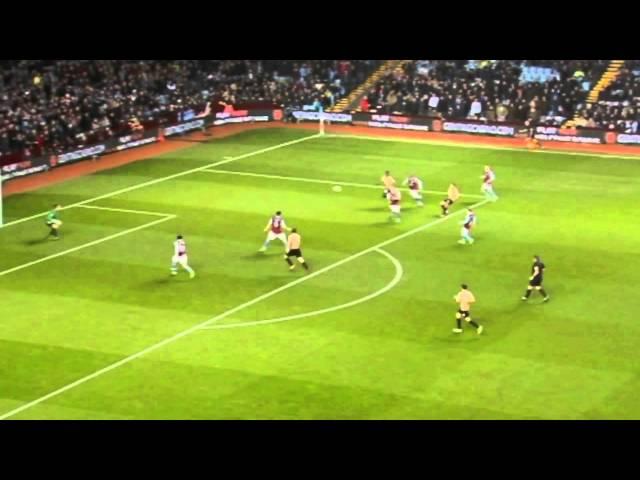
point(336, 188)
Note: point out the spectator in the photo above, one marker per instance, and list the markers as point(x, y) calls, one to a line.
point(364, 104)
point(476, 108)
point(55, 105)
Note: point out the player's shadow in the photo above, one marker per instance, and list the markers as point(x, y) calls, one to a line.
point(374, 209)
point(261, 256)
point(385, 224)
point(160, 281)
point(36, 241)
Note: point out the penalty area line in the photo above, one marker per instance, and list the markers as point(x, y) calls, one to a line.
point(229, 312)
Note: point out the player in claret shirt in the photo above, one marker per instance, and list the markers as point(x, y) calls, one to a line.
point(276, 228)
point(467, 224)
point(487, 184)
point(415, 189)
point(180, 257)
point(394, 196)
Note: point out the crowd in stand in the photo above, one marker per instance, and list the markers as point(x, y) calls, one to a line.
point(51, 106)
point(618, 106)
point(498, 91)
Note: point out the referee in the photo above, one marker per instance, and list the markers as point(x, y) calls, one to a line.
point(535, 280)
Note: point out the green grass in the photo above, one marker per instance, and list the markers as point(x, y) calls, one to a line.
point(393, 356)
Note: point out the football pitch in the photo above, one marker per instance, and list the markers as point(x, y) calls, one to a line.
point(94, 327)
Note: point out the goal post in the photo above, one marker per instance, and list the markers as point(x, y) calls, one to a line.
point(321, 131)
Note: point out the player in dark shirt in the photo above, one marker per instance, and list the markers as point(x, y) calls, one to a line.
point(535, 280)
point(532, 141)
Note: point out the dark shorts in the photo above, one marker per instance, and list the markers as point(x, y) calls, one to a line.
point(448, 202)
point(463, 314)
point(296, 252)
point(536, 282)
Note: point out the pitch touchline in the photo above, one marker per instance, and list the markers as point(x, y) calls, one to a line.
point(229, 312)
point(325, 182)
point(168, 177)
point(476, 146)
point(86, 245)
point(383, 290)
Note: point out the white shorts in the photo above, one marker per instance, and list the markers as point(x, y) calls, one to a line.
point(180, 259)
point(280, 236)
point(464, 231)
point(415, 194)
point(395, 208)
point(487, 187)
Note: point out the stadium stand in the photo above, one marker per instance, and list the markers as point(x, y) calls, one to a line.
point(50, 106)
point(548, 91)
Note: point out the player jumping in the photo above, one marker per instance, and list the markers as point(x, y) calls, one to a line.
point(276, 228)
point(487, 184)
point(415, 189)
point(54, 223)
point(394, 196)
point(388, 181)
point(467, 224)
point(453, 194)
point(293, 250)
point(180, 257)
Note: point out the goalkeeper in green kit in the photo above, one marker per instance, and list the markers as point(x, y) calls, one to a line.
point(54, 223)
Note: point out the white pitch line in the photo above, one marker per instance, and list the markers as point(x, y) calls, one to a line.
point(227, 313)
point(325, 182)
point(85, 245)
point(125, 210)
point(168, 177)
point(478, 146)
point(383, 290)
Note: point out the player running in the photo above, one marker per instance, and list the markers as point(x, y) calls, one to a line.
point(487, 184)
point(276, 228)
point(464, 299)
point(293, 250)
point(180, 257)
point(395, 197)
point(467, 224)
point(535, 280)
point(54, 223)
point(453, 194)
point(415, 189)
point(388, 181)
